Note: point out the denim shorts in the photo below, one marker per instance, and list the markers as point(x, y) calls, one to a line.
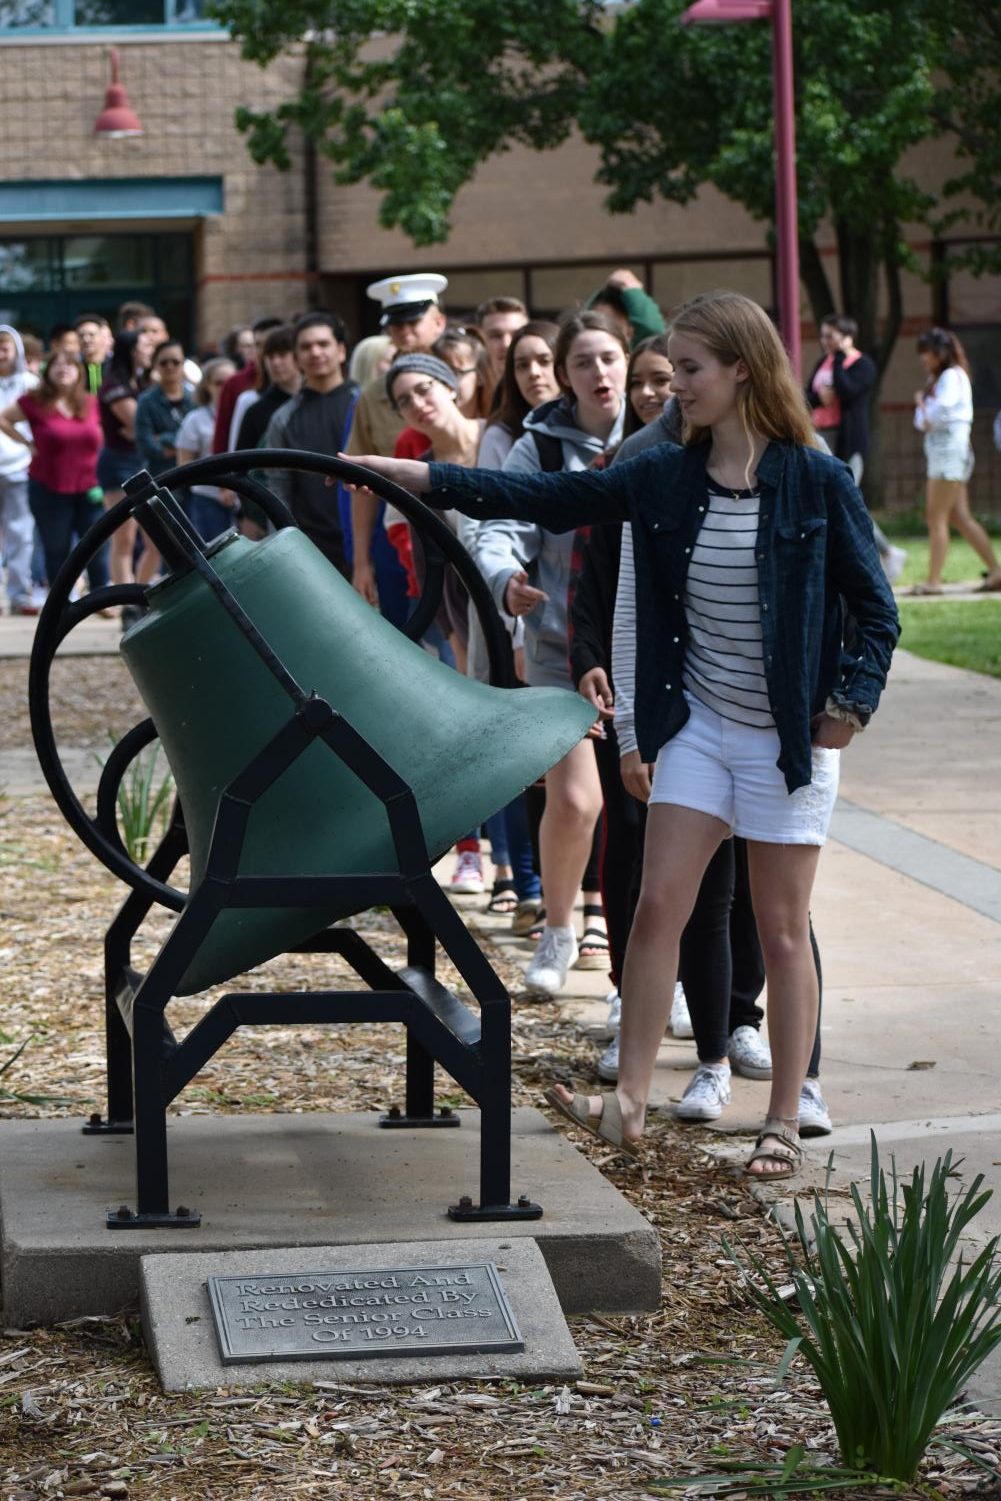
point(728, 770)
point(114, 467)
point(948, 453)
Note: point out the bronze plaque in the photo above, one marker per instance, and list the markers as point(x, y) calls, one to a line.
point(421, 1310)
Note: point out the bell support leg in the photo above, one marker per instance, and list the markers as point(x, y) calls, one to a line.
point(118, 975)
point(494, 1096)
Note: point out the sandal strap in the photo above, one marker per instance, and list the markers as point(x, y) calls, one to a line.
point(786, 1146)
point(595, 937)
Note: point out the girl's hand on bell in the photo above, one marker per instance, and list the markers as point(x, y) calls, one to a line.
point(409, 474)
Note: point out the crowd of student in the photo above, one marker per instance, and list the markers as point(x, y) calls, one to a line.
point(692, 818)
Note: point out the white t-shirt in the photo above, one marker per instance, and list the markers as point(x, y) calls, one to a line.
point(195, 435)
point(950, 403)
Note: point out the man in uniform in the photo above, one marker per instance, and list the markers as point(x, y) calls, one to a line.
point(413, 318)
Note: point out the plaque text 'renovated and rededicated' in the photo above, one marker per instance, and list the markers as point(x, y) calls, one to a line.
point(427, 1310)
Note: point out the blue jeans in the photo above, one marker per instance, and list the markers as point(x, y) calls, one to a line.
point(61, 520)
point(17, 534)
point(209, 517)
point(527, 885)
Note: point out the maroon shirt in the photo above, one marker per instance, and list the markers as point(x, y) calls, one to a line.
point(242, 380)
point(66, 448)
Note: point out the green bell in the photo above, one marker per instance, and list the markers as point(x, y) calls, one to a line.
point(465, 749)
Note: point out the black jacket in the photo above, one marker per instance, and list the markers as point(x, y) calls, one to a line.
point(853, 384)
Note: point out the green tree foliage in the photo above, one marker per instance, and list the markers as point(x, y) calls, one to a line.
point(413, 95)
point(969, 108)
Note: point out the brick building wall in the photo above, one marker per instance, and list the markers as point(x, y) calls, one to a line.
point(529, 224)
point(250, 260)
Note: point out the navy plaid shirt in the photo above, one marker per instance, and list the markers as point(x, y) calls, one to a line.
point(815, 555)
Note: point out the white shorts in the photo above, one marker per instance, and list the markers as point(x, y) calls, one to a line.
point(948, 453)
point(728, 770)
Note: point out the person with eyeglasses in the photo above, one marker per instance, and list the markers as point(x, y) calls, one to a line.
point(162, 408)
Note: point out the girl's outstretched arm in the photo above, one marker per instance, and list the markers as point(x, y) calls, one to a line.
point(409, 474)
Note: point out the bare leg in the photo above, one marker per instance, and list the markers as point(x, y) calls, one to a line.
point(149, 562)
point(680, 842)
point(123, 541)
point(941, 497)
point(969, 527)
point(573, 802)
point(781, 877)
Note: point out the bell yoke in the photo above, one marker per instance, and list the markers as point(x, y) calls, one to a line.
point(317, 775)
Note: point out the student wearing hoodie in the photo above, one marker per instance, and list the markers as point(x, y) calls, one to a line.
point(528, 570)
point(17, 526)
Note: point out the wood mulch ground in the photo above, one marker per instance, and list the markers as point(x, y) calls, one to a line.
point(676, 1393)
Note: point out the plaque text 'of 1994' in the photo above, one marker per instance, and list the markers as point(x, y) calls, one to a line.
point(425, 1310)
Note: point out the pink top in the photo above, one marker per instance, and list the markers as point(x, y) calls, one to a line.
point(66, 448)
point(829, 416)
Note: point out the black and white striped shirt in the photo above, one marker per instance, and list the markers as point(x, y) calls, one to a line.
point(724, 666)
point(723, 660)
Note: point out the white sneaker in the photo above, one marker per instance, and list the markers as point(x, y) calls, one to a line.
point(893, 563)
point(608, 1063)
point(614, 1003)
point(467, 878)
point(706, 1096)
point(814, 1119)
point(557, 951)
point(749, 1053)
point(681, 1022)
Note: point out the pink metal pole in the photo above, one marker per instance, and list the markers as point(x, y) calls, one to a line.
point(787, 215)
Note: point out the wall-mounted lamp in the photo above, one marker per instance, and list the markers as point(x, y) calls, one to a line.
point(117, 119)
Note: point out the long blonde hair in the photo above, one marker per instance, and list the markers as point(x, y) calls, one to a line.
point(770, 402)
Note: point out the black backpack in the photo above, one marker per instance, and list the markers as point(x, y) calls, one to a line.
point(549, 449)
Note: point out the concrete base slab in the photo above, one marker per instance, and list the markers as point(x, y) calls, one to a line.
point(310, 1180)
point(181, 1338)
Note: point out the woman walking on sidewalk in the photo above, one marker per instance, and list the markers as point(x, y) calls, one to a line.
point(744, 547)
point(943, 411)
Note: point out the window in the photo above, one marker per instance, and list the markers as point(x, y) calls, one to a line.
point(49, 279)
point(70, 15)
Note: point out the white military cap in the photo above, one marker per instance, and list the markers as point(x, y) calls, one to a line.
point(406, 298)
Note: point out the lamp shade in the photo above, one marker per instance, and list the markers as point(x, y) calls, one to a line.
point(117, 119)
point(723, 12)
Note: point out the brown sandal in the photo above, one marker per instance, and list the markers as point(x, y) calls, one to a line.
point(785, 1149)
point(607, 1126)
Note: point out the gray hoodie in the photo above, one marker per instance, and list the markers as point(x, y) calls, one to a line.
point(14, 457)
point(503, 548)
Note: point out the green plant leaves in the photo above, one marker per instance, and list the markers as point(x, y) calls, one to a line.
point(896, 1320)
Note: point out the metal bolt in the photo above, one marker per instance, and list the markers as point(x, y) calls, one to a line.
point(394, 1112)
point(182, 1212)
point(523, 1201)
point(124, 1212)
point(95, 1119)
point(445, 1112)
point(465, 1202)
